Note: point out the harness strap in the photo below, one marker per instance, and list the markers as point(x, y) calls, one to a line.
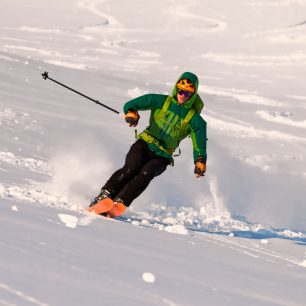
point(164, 109)
point(146, 136)
point(188, 117)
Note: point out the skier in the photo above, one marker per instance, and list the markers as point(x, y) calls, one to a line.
point(172, 119)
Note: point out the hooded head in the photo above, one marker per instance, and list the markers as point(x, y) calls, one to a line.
point(195, 82)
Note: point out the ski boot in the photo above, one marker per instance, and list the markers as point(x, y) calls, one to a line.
point(101, 203)
point(101, 196)
point(105, 206)
point(117, 210)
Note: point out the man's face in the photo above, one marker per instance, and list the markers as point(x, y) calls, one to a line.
point(183, 96)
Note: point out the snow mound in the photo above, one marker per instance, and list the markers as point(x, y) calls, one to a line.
point(176, 229)
point(303, 263)
point(148, 277)
point(69, 220)
point(14, 208)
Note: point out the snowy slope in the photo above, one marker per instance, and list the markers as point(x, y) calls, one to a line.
point(102, 263)
point(236, 237)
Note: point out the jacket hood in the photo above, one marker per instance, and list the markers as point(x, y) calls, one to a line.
point(194, 79)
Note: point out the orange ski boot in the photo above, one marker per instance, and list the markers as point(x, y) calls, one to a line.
point(117, 210)
point(102, 206)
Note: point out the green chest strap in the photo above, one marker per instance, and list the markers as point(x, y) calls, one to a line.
point(188, 117)
point(164, 109)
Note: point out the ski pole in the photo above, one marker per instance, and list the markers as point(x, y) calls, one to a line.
point(46, 76)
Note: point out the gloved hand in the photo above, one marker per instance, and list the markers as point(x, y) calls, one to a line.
point(132, 117)
point(200, 166)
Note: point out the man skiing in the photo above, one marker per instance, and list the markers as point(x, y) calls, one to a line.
point(172, 119)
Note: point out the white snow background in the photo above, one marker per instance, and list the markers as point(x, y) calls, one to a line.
point(236, 236)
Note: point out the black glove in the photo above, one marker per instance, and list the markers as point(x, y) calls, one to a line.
point(200, 166)
point(132, 117)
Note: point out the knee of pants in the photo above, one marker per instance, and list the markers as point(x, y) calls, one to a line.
point(150, 172)
point(128, 171)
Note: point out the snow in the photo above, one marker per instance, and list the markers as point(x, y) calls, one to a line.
point(235, 237)
point(148, 277)
point(176, 229)
point(303, 263)
point(68, 220)
point(136, 92)
point(14, 208)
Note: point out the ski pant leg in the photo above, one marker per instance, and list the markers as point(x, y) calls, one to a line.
point(140, 182)
point(134, 161)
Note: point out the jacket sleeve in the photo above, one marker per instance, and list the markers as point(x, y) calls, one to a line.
point(145, 102)
point(198, 135)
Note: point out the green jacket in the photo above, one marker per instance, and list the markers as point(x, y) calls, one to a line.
point(166, 127)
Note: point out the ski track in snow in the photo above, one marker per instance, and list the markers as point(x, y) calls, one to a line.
point(240, 95)
point(9, 59)
point(293, 59)
point(137, 58)
point(239, 131)
point(303, 98)
point(289, 35)
point(32, 30)
point(269, 163)
point(282, 118)
point(76, 58)
point(93, 7)
point(63, 60)
point(25, 298)
point(183, 12)
point(38, 51)
point(254, 250)
point(78, 66)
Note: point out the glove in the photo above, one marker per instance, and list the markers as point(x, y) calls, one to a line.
point(132, 117)
point(200, 166)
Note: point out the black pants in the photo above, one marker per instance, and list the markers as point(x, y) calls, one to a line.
point(141, 166)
